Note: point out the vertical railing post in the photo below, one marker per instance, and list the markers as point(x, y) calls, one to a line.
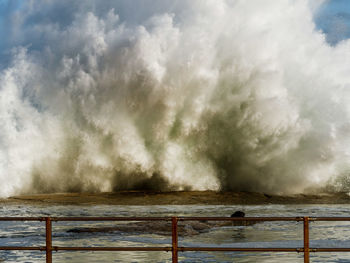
point(174, 240)
point(48, 240)
point(306, 240)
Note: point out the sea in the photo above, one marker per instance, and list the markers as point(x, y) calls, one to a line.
point(265, 234)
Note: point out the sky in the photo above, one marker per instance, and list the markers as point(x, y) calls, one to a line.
point(333, 18)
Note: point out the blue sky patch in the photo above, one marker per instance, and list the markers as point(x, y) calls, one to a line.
point(333, 19)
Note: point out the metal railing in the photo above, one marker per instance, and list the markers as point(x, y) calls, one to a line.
point(175, 248)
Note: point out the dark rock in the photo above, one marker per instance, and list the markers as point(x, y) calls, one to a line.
point(238, 214)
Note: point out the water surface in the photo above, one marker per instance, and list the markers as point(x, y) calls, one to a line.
point(267, 234)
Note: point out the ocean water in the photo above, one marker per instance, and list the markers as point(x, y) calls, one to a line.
point(267, 234)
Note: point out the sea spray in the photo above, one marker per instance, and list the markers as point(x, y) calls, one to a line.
point(171, 95)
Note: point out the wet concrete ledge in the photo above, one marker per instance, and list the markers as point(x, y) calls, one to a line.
point(189, 228)
point(178, 198)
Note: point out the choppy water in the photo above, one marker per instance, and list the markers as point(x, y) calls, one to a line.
point(268, 234)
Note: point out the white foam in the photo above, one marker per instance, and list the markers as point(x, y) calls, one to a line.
point(240, 95)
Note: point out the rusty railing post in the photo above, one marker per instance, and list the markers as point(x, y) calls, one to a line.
point(306, 240)
point(48, 240)
point(174, 240)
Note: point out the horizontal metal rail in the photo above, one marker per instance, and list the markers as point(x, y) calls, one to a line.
point(22, 248)
point(111, 218)
point(174, 248)
point(180, 218)
point(261, 219)
point(239, 249)
point(167, 249)
point(17, 218)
